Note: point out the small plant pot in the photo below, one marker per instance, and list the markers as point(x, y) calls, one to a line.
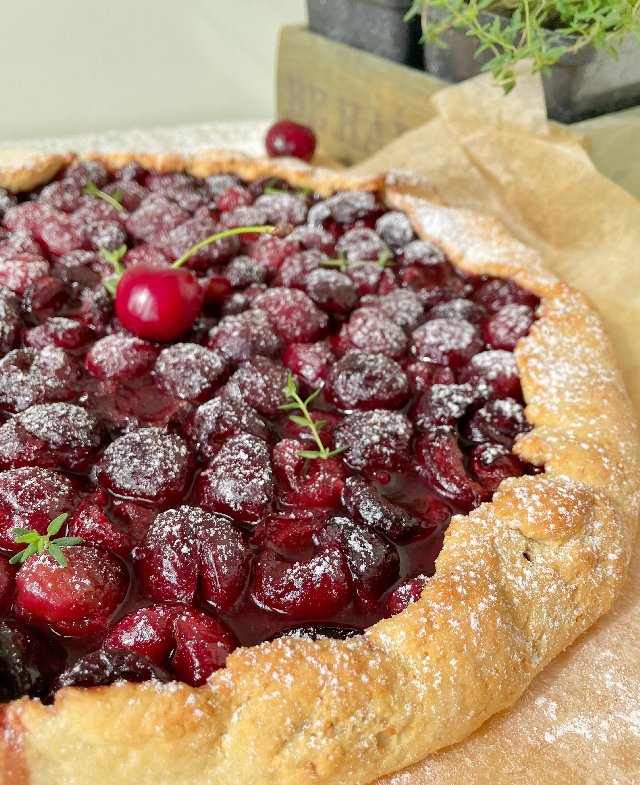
point(588, 83)
point(377, 26)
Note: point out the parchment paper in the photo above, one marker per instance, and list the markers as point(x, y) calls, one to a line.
point(579, 723)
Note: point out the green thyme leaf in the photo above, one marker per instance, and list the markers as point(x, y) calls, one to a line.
point(39, 543)
point(20, 532)
point(311, 454)
point(68, 540)
point(298, 420)
point(343, 264)
point(92, 189)
point(272, 188)
point(57, 554)
point(114, 257)
point(56, 524)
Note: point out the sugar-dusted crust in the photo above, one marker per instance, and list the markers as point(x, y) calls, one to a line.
point(517, 580)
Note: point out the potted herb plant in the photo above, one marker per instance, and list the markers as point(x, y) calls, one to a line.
point(588, 51)
point(377, 26)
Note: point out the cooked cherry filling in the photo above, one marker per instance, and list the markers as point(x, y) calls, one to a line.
point(286, 466)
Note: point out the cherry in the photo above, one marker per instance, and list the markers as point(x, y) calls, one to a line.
point(500, 420)
point(443, 404)
point(446, 341)
point(440, 463)
point(22, 271)
point(373, 563)
point(189, 371)
point(395, 229)
point(30, 498)
point(286, 138)
point(158, 304)
point(315, 483)
point(293, 533)
point(117, 357)
point(188, 546)
point(192, 644)
point(10, 321)
point(331, 290)
point(202, 647)
point(149, 465)
point(369, 330)
point(402, 306)
point(57, 331)
point(377, 439)
point(294, 315)
point(91, 523)
point(101, 668)
point(51, 435)
point(405, 594)
point(28, 661)
point(311, 362)
point(259, 383)
point(218, 420)
point(366, 381)
point(422, 375)
point(505, 327)
point(492, 463)
point(238, 481)
point(78, 599)
point(283, 208)
point(243, 336)
point(311, 589)
point(381, 515)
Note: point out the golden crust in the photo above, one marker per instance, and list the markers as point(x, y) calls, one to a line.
point(517, 581)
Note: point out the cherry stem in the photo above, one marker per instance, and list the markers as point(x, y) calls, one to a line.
point(220, 236)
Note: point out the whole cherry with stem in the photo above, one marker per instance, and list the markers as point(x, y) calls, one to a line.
point(160, 304)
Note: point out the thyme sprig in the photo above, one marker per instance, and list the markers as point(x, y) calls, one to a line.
point(39, 543)
point(343, 264)
point(272, 188)
point(305, 420)
point(115, 260)
point(541, 31)
point(114, 200)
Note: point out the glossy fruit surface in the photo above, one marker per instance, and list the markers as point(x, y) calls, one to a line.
point(286, 138)
point(158, 304)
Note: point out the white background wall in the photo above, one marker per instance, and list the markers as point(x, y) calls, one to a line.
point(73, 66)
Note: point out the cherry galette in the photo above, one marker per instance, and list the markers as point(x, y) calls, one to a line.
point(245, 407)
point(334, 390)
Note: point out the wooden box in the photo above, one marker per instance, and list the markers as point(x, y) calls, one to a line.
point(358, 102)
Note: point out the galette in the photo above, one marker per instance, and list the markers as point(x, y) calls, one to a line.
point(302, 476)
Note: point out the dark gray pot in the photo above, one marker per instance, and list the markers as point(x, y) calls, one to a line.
point(582, 85)
point(377, 26)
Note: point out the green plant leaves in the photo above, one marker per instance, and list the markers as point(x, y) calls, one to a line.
point(39, 543)
point(540, 31)
point(305, 420)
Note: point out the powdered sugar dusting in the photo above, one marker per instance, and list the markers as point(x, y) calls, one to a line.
point(146, 464)
point(239, 477)
point(61, 424)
